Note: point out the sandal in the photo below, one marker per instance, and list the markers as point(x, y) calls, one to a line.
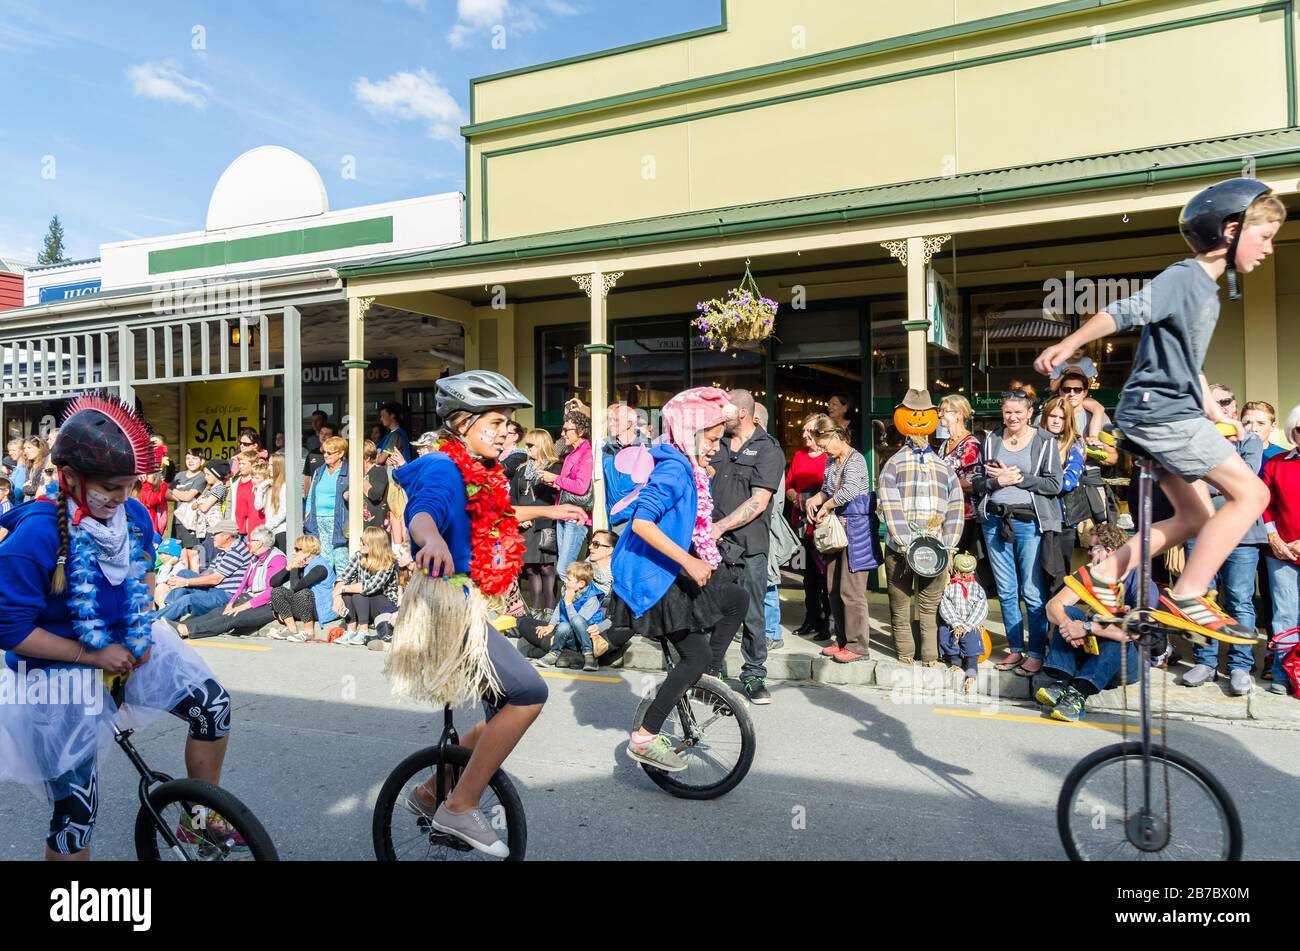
point(1023, 671)
point(1007, 664)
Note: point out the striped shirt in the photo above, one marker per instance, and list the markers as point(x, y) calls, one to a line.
point(857, 479)
point(231, 564)
point(916, 485)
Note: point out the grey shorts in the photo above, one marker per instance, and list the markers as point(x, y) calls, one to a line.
point(1188, 448)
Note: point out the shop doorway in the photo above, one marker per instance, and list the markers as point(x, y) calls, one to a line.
point(804, 388)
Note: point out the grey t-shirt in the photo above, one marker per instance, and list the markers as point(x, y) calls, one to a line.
point(1177, 312)
point(1024, 460)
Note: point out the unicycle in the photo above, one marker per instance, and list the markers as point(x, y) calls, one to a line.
point(402, 827)
point(1139, 801)
point(711, 729)
point(189, 820)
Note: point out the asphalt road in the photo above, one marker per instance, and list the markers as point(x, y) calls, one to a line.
point(840, 773)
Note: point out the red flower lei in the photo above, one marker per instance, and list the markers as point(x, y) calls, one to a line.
point(496, 545)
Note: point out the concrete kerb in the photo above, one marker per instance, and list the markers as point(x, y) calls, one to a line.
point(917, 684)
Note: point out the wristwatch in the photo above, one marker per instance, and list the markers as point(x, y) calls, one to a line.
point(1087, 628)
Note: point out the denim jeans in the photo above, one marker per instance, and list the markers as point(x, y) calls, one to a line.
point(196, 601)
point(772, 612)
point(1019, 574)
point(1284, 584)
point(569, 537)
point(1100, 670)
point(1235, 583)
point(566, 636)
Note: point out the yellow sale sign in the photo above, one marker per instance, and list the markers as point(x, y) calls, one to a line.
point(215, 412)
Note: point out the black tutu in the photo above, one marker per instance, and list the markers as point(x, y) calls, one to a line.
point(685, 607)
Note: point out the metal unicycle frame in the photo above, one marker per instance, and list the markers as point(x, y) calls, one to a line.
point(1209, 826)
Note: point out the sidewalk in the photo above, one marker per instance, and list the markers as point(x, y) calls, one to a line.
point(800, 660)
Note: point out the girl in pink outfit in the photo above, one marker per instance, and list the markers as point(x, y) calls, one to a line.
point(574, 483)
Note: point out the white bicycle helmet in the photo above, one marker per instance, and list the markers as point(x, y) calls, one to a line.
point(477, 391)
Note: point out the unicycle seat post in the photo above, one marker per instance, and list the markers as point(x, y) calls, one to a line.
point(449, 738)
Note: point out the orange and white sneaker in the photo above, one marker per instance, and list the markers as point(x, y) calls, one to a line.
point(1204, 612)
point(1105, 598)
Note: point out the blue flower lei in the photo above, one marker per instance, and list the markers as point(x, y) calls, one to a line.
point(83, 601)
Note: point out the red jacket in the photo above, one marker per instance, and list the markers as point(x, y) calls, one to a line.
point(155, 500)
point(1282, 476)
point(247, 515)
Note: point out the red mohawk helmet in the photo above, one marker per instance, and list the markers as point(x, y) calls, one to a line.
point(101, 435)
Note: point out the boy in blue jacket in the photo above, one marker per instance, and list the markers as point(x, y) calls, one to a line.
point(580, 609)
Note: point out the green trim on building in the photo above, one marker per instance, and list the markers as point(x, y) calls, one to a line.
point(600, 348)
point(1143, 167)
point(349, 234)
point(1286, 6)
point(600, 54)
point(355, 364)
point(910, 325)
point(893, 44)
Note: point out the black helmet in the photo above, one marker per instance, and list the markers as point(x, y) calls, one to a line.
point(477, 391)
point(1205, 217)
point(101, 435)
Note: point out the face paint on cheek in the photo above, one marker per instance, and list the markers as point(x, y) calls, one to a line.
point(100, 503)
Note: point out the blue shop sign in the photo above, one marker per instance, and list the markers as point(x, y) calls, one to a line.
point(62, 292)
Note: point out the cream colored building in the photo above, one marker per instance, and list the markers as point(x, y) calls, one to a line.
point(842, 149)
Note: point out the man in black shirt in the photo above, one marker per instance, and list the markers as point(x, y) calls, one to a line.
point(747, 469)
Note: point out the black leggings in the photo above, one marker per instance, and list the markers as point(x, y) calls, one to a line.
point(75, 795)
point(699, 652)
point(363, 607)
point(299, 605)
point(541, 586)
point(214, 622)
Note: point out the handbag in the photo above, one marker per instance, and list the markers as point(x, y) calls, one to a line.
point(829, 536)
point(548, 542)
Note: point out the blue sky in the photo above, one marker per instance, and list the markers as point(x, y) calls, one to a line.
point(116, 122)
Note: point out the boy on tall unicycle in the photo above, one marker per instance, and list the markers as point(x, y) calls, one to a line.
point(1165, 408)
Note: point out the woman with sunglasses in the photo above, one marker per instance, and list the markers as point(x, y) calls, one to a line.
point(540, 535)
point(327, 503)
point(1017, 490)
point(574, 483)
point(803, 480)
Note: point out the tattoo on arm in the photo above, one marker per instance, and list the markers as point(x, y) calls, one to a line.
point(747, 511)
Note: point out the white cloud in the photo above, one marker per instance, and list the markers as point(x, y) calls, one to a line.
point(519, 16)
point(166, 82)
point(417, 95)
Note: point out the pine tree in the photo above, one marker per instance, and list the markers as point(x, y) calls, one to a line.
point(53, 253)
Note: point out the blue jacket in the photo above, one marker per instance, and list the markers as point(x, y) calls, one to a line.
point(340, 506)
point(434, 486)
point(28, 557)
point(642, 576)
point(617, 484)
point(323, 593)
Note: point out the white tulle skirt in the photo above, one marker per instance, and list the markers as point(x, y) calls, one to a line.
point(54, 720)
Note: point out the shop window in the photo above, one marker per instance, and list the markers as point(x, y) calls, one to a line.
point(565, 372)
point(420, 411)
point(649, 363)
point(735, 368)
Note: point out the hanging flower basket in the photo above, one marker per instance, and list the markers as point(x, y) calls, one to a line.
point(744, 315)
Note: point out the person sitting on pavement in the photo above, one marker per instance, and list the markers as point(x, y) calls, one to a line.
point(963, 609)
point(249, 608)
point(303, 592)
point(580, 609)
point(1086, 656)
point(215, 587)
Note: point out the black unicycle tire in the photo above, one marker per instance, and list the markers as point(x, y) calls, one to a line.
point(669, 781)
point(1123, 750)
point(195, 792)
point(429, 758)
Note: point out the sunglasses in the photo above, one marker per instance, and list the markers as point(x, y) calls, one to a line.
point(600, 545)
point(1074, 389)
point(826, 433)
point(1226, 402)
point(243, 442)
point(1015, 395)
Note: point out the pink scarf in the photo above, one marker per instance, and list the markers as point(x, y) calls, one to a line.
point(706, 547)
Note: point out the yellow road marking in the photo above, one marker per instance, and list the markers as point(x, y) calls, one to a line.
point(599, 680)
point(229, 647)
point(1112, 727)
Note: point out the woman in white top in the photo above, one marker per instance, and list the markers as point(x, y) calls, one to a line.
point(272, 500)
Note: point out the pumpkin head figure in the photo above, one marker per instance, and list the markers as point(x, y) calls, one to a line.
point(917, 415)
